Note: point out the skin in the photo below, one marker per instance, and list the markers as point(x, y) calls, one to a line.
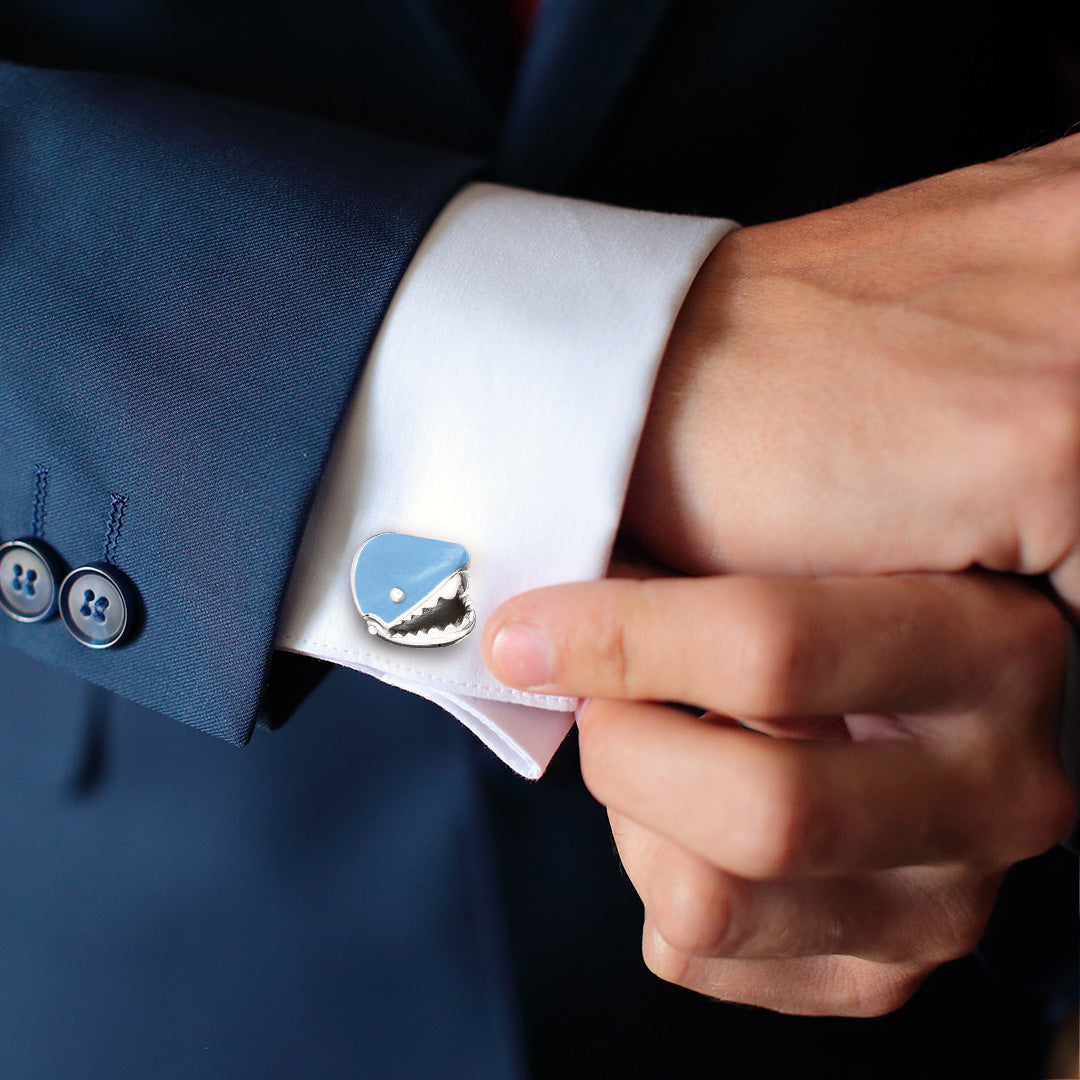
point(884, 387)
point(896, 754)
point(888, 386)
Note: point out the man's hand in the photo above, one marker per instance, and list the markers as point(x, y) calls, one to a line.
point(892, 385)
point(829, 868)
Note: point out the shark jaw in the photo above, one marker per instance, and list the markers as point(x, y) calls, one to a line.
point(444, 616)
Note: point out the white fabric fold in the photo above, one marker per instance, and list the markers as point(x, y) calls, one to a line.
point(501, 409)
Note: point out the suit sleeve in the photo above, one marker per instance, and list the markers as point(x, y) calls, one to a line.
point(188, 291)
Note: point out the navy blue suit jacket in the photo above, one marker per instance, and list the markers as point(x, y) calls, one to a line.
point(205, 207)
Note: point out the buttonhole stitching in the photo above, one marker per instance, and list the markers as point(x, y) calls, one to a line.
point(114, 525)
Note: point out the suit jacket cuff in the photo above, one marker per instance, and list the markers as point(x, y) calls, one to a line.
point(188, 290)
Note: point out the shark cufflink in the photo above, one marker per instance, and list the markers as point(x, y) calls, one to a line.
point(413, 591)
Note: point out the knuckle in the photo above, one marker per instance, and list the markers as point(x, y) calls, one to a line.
point(1048, 810)
point(963, 937)
point(1047, 634)
point(879, 995)
point(664, 961)
point(1030, 657)
point(859, 988)
point(622, 640)
point(1037, 813)
point(610, 650)
point(1038, 800)
point(958, 922)
point(692, 913)
point(1059, 422)
point(775, 654)
point(1032, 455)
point(783, 831)
point(1038, 428)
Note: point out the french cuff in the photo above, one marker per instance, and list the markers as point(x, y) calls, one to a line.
point(500, 409)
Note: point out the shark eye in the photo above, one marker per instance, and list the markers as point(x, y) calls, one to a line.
point(397, 595)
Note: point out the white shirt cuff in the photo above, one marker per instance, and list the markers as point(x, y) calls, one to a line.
point(500, 409)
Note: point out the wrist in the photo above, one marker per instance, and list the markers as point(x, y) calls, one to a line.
point(667, 504)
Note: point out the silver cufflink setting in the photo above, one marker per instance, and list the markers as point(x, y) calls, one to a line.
point(413, 591)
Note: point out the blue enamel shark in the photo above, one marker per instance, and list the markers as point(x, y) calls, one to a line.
point(412, 590)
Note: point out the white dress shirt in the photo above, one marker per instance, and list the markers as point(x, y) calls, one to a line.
point(501, 409)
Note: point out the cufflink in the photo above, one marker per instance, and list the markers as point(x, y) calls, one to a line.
point(413, 591)
point(96, 604)
point(29, 572)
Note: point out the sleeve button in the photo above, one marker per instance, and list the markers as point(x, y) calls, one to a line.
point(95, 605)
point(29, 571)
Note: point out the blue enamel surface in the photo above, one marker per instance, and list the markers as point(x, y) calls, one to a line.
point(414, 564)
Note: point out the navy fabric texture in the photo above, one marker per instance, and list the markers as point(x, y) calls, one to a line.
point(203, 216)
point(319, 905)
point(188, 289)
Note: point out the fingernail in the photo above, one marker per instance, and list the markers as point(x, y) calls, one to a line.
point(523, 655)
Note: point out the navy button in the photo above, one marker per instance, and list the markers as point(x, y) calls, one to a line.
point(95, 605)
point(29, 571)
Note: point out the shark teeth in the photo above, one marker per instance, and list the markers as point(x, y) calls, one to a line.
point(453, 587)
point(443, 617)
point(438, 635)
point(447, 591)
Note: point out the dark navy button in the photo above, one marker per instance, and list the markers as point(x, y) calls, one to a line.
point(29, 571)
point(94, 605)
